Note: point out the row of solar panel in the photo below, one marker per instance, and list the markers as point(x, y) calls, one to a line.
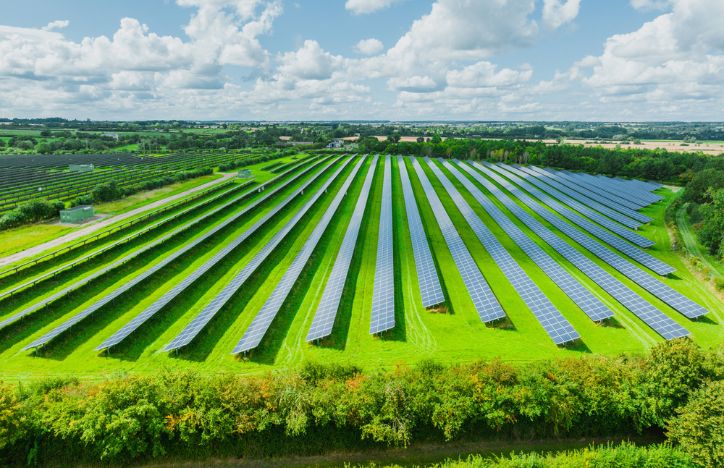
point(485, 302)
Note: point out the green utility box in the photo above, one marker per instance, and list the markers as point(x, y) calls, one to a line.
point(81, 167)
point(77, 215)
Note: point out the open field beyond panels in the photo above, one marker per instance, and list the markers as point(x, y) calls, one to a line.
point(269, 249)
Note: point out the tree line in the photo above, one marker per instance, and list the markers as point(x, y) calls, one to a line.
point(675, 389)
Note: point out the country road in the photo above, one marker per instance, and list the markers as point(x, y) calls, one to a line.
point(106, 222)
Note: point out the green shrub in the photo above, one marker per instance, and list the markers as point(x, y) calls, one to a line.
point(699, 425)
point(31, 212)
point(318, 408)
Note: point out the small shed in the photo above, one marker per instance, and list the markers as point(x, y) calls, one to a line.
point(245, 174)
point(77, 215)
point(81, 167)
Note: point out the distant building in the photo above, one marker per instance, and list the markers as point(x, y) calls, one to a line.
point(336, 143)
point(110, 135)
point(77, 215)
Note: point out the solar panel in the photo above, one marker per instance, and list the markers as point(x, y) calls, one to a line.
point(570, 198)
point(383, 294)
point(631, 192)
point(326, 313)
point(555, 325)
point(263, 320)
point(130, 284)
point(628, 218)
point(160, 303)
point(606, 198)
point(584, 298)
point(485, 302)
point(639, 255)
point(427, 279)
point(199, 322)
point(561, 181)
point(621, 188)
point(622, 293)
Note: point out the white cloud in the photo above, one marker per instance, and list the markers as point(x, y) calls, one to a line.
point(57, 24)
point(370, 46)
point(559, 12)
point(309, 62)
point(456, 30)
point(647, 5)
point(486, 74)
point(672, 61)
point(361, 7)
point(413, 84)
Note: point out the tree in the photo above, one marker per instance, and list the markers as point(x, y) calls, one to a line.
point(699, 426)
point(711, 233)
point(698, 189)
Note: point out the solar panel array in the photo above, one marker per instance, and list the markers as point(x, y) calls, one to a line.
point(326, 313)
point(427, 279)
point(653, 317)
point(263, 320)
point(632, 191)
point(569, 196)
point(628, 218)
point(585, 299)
point(172, 293)
point(667, 294)
point(555, 325)
point(122, 261)
point(51, 335)
point(611, 200)
point(204, 317)
point(383, 294)
point(485, 302)
point(566, 182)
point(639, 255)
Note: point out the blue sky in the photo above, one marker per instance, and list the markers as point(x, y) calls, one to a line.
point(444, 59)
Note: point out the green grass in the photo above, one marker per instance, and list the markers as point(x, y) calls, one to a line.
point(453, 334)
point(140, 199)
point(694, 247)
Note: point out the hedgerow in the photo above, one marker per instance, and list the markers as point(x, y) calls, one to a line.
point(318, 407)
point(31, 212)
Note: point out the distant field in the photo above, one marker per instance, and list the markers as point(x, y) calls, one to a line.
point(453, 333)
point(710, 147)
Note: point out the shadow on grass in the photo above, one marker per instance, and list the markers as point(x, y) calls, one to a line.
point(610, 322)
point(578, 346)
point(502, 324)
point(707, 320)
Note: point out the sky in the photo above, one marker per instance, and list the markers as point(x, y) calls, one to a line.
point(594, 60)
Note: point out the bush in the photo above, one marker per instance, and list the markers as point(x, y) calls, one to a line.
point(699, 425)
point(320, 408)
point(31, 212)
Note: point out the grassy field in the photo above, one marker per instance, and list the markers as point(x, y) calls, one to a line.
point(453, 334)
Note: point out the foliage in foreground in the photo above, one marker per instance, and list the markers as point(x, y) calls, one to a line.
point(624, 455)
point(319, 408)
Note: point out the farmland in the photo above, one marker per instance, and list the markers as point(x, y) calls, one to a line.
point(228, 229)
